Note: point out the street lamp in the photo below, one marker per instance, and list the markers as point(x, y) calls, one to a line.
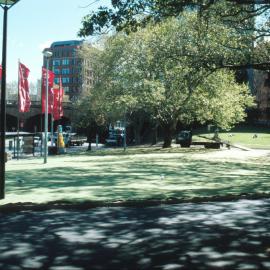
point(6, 5)
point(47, 54)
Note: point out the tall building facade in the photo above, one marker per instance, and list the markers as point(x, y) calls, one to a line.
point(262, 94)
point(67, 64)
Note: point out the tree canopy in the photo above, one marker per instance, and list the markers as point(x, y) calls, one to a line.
point(171, 72)
point(250, 18)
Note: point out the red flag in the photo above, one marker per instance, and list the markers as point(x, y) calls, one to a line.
point(50, 90)
point(23, 85)
point(58, 101)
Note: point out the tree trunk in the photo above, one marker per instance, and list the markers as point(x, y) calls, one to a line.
point(154, 135)
point(89, 139)
point(138, 123)
point(89, 148)
point(168, 130)
point(137, 135)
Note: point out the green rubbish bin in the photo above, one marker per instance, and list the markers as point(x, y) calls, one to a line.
point(184, 138)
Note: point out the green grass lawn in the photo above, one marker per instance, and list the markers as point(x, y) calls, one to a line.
point(243, 136)
point(139, 173)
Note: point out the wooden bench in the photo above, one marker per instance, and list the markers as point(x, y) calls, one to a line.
point(209, 145)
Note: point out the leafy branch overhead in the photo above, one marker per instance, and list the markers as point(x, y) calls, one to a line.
point(129, 14)
point(243, 16)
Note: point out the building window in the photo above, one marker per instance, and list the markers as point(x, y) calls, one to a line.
point(56, 62)
point(56, 54)
point(56, 70)
point(65, 79)
point(65, 62)
point(76, 70)
point(56, 80)
point(74, 52)
point(65, 71)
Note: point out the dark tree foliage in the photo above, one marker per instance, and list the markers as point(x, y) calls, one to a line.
point(241, 15)
point(129, 14)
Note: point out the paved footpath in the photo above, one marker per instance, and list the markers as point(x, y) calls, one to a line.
point(234, 235)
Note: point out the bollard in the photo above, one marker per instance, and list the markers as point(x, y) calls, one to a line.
point(96, 140)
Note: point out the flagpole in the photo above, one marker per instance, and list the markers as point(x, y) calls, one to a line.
point(60, 99)
point(51, 128)
point(46, 114)
point(18, 118)
point(60, 83)
point(52, 110)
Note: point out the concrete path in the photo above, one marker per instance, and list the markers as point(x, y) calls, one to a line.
point(233, 236)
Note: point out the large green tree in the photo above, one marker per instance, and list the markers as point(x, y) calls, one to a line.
point(171, 71)
point(115, 85)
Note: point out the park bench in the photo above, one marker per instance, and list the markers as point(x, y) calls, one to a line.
point(209, 145)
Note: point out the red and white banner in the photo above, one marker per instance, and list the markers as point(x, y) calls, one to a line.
point(24, 102)
point(50, 90)
point(58, 101)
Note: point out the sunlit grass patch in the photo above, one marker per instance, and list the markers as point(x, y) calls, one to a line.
point(253, 137)
point(136, 174)
point(143, 150)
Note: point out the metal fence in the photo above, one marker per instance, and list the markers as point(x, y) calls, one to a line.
point(24, 145)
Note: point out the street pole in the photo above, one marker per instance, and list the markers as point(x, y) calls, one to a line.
point(6, 5)
point(46, 113)
point(46, 54)
point(3, 107)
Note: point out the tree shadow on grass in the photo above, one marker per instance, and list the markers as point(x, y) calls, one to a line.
point(220, 236)
point(128, 178)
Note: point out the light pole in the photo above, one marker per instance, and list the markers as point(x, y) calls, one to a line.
point(6, 5)
point(47, 54)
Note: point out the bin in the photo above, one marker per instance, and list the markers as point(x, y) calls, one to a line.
point(184, 138)
point(52, 150)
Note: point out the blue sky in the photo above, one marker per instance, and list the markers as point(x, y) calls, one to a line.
point(35, 24)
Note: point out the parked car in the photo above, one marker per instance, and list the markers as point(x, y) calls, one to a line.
point(116, 137)
point(76, 140)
